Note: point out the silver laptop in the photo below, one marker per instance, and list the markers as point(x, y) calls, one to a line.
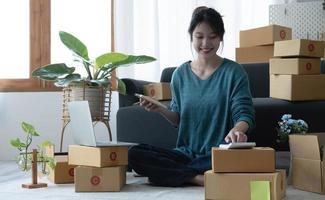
point(82, 126)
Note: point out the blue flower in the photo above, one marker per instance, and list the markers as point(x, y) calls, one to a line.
point(288, 126)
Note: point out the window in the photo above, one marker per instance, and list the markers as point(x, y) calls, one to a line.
point(31, 37)
point(89, 21)
point(29, 50)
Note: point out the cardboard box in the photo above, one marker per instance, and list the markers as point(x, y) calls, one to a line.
point(93, 179)
point(299, 47)
point(259, 159)
point(308, 162)
point(295, 66)
point(158, 91)
point(237, 185)
point(266, 35)
point(258, 54)
point(63, 172)
point(98, 156)
point(297, 87)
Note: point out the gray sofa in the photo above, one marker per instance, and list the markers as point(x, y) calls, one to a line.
point(134, 124)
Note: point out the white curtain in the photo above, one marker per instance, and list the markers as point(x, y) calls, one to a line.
point(159, 28)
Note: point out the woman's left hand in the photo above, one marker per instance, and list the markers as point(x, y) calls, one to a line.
point(236, 136)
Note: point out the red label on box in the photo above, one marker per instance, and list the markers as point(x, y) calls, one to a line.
point(308, 66)
point(95, 180)
point(71, 171)
point(282, 34)
point(113, 156)
point(152, 92)
point(311, 47)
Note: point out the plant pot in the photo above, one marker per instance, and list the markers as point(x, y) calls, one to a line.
point(99, 100)
point(96, 96)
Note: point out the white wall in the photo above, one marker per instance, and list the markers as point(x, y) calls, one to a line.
point(43, 110)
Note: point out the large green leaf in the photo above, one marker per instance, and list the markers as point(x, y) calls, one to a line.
point(63, 82)
point(74, 44)
point(133, 60)
point(52, 71)
point(121, 88)
point(105, 82)
point(109, 58)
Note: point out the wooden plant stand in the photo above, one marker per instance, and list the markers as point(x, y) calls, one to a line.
point(34, 183)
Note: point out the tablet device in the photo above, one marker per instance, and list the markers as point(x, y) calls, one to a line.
point(238, 145)
point(151, 100)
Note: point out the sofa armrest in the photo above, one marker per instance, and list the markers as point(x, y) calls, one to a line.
point(132, 86)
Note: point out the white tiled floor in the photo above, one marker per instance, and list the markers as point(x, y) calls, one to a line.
point(136, 189)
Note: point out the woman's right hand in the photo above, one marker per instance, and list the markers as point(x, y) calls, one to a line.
point(151, 107)
point(148, 106)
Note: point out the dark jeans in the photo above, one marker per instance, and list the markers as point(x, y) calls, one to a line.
point(166, 167)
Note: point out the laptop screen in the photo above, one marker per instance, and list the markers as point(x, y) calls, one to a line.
point(81, 123)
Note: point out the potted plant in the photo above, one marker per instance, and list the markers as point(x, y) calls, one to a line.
point(95, 86)
point(288, 126)
point(24, 158)
point(99, 70)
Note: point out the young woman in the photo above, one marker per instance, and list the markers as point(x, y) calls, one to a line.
point(211, 103)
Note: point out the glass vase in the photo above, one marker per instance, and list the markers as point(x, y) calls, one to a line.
point(43, 169)
point(24, 161)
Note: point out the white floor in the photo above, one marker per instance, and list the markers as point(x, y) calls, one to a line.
point(136, 189)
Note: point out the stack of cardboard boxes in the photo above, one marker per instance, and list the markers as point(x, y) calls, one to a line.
point(295, 75)
point(99, 169)
point(244, 174)
point(257, 45)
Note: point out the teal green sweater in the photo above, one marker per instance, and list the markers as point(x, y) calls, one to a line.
point(209, 108)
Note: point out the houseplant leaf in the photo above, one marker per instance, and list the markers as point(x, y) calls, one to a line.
point(121, 88)
point(105, 82)
point(52, 71)
point(74, 44)
point(29, 129)
point(17, 143)
point(63, 82)
point(109, 58)
point(133, 60)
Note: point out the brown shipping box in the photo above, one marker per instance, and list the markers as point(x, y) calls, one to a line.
point(237, 185)
point(297, 87)
point(299, 47)
point(259, 159)
point(158, 91)
point(295, 66)
point(63, 172)
point(258, 54)
point(98, 156)
point(308, 165)
point(264, 35)
point(94, 179)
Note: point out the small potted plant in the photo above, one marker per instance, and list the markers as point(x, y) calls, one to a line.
point(24, 158)
point(287, 126)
